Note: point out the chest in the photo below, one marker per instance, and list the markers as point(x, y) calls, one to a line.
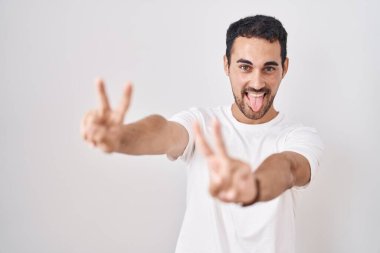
point(252, 146)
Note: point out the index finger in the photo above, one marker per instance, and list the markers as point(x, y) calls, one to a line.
point(104, 104)
point(205, 148)
point(220, 147)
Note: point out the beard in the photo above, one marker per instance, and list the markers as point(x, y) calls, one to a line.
point(247, 110)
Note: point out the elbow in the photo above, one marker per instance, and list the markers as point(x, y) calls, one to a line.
point(299, 169)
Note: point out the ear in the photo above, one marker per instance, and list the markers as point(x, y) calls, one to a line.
point(285, 67)
point(226, 67)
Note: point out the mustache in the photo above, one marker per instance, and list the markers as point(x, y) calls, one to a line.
point(250, 89)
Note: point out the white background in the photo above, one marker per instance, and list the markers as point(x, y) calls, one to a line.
point(59, 195)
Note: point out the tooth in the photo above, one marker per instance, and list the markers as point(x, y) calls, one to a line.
point(256, 95)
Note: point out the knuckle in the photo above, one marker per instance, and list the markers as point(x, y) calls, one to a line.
point(217, 183)
point(213, 190)
point(215, 177)
point(106, 148)
point(237, 195)
point(225, 177)
point(83, 135)
point(231, 195)
point(100, 136)
point(224, 196)
point(226, 163)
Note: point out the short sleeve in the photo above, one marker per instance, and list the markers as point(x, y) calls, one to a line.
point(305, 141)
point(186, 119)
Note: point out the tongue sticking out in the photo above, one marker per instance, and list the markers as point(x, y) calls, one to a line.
point(255, 101)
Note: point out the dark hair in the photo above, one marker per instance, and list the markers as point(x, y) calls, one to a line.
point(258, 26)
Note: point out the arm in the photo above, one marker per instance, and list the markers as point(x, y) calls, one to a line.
point(232, 180)
point(153, 135)
point(280, 172)
point(104, 128)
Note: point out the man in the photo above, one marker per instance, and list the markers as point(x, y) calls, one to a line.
point(240, 191)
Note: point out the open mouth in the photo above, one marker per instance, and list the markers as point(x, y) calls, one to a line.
point(255, 100)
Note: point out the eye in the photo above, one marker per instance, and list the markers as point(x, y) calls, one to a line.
point(245, 68)
point(269, 69)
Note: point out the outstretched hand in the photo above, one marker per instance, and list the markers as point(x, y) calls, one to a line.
point(102, 127)
point(231, 180)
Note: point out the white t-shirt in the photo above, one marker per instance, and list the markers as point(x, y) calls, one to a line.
point(210, 225)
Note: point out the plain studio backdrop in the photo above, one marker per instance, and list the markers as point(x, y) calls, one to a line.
point(59, 195)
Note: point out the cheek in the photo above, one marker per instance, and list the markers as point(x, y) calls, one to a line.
point(273, 82)
point(237, 86)
point(238, 81)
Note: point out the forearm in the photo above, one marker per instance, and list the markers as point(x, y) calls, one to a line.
point(147, 136)
point(274, 176)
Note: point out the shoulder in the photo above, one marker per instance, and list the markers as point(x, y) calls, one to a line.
point(291, 132)
point(289, 126)
point(299, 137)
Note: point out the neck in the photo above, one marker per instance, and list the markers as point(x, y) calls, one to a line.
point(239, 116)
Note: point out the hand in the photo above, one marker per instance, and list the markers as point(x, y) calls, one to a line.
point(102, 127)
point(231, 180)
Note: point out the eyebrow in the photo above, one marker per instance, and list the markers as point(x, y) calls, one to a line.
point(244, 61)
point(269, 63)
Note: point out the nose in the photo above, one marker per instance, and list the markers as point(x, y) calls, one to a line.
point(256, 80)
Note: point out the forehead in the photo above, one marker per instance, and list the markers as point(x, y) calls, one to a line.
point(257, 50)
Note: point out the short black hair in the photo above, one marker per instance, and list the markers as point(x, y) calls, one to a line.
point(258, 26)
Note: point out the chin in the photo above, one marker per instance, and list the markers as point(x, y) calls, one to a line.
point(247, 111)
point(254, 115)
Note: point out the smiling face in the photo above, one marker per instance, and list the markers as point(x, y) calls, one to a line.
point(255, 73)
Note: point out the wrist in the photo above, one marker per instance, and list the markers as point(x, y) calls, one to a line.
point(256, 182)
point(121, 140)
